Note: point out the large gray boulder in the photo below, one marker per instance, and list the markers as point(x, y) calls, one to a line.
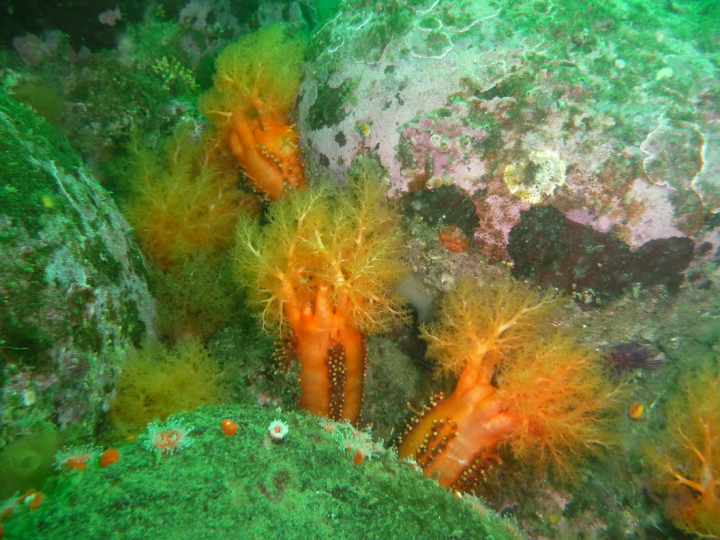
point(73, 295)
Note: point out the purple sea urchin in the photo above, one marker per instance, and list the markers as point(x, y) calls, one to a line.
point(629, 356)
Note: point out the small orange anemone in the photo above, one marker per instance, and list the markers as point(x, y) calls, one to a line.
point(636, 410)
point(76, 462)
point(228, 427)
point(32, 499)
point(109, 456)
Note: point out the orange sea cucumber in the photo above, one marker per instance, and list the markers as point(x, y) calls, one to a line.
point(332, 353)
point(549, 390)
point(251, 103)
point(266, 149)
point(322, 271)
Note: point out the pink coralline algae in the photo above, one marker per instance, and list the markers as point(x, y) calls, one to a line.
point(498, 214)
point(496, 102)
point(443, 149)
point(655, 222)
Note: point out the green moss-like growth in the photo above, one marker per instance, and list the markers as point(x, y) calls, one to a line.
point(157, 382)
point(196, 296)
point(326, 8)
point(244, 485)
point(23, 197)
point(46, 102)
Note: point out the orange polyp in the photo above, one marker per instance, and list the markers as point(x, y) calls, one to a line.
point(636, 410)
point(37, 499)
point(228, 427)
point(358, 459)
point(32, 499)
point(109, 456)
point(76, 462)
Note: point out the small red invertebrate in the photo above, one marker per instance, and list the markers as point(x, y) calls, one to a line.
point(76, 457)
point(454, 239)
point(228, 427)
point(636, 410)
point(32, 499)
point(76, 462)
point(358, 459)
point(109, 456)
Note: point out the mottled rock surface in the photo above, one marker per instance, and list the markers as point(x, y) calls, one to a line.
point(73, 295)
point(606, 111)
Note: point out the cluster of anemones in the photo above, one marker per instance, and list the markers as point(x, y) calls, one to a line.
point(78, 457)
point(277, 430)
point(167, 438)
point(356, 442)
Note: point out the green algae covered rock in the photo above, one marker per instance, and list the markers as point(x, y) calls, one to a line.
point(72, 289)
point(248, 486)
